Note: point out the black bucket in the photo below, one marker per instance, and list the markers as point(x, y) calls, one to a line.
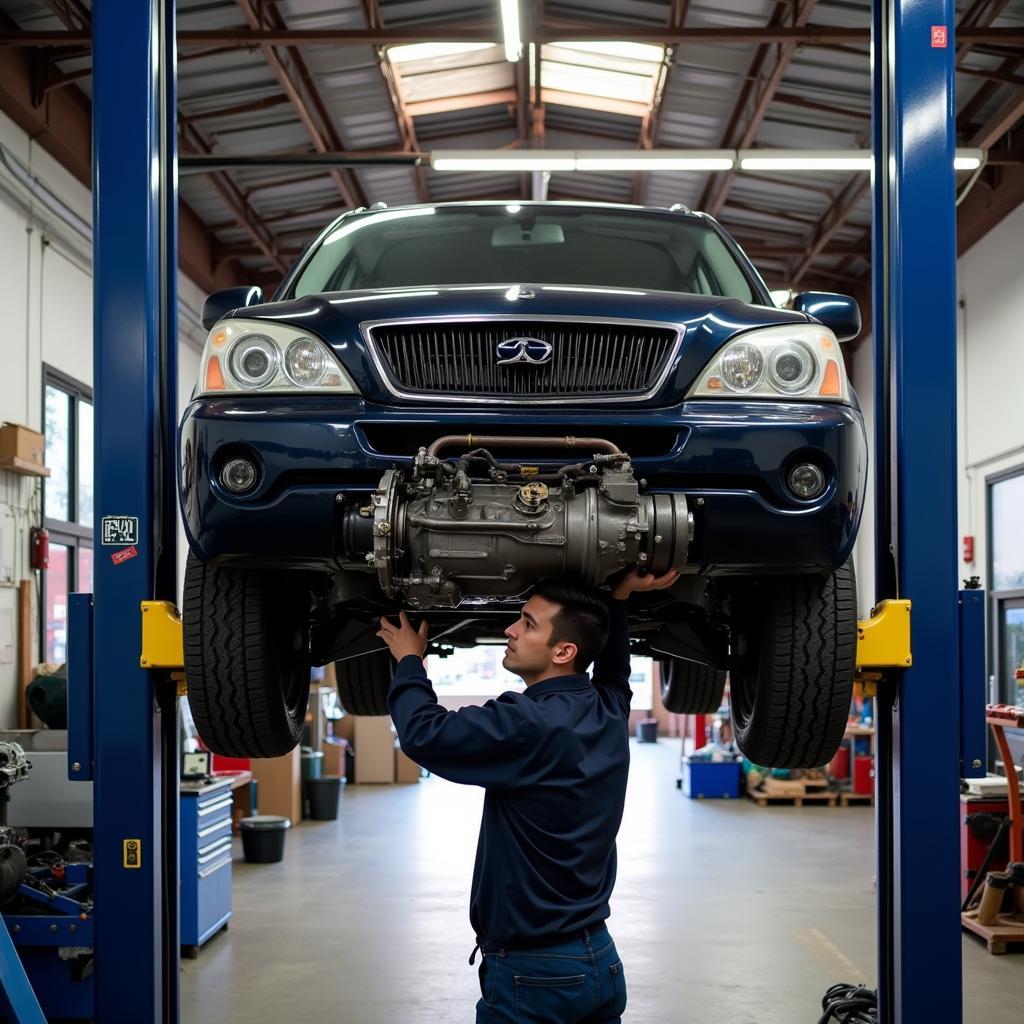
point(312, 764)
point(647, 730)
point(263, 838)
point(323, 795)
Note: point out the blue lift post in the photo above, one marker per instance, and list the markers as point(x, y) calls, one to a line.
point(135, 374)
point(927, 717)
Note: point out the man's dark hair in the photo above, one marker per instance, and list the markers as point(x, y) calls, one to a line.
point(582, 618)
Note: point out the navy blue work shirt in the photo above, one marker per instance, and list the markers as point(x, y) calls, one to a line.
point(554, 761)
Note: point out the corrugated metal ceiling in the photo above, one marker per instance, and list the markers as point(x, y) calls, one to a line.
point(233, 101)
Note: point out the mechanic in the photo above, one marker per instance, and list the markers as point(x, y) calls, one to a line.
point(553, 761)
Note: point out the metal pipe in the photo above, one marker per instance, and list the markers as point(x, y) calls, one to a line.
point(489, 441)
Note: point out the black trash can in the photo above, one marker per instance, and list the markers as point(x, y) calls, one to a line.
point(263, 838)
point(323, 795)
point(312, 762)
point(647, 730)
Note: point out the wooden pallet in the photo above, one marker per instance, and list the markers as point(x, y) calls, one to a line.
point(762, 799)
point(846, 798)
point(1008, 930)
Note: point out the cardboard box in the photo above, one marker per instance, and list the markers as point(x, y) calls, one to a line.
point(280, 789)
point(18, 442)
point(406, 770)
point(374, 744)
point(334, 756)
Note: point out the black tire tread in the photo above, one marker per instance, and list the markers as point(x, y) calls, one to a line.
point(804, 685)
point(236, 682)
point(363, 683)
point(690, 688)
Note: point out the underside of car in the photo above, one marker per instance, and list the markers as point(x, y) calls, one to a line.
point(460, 539)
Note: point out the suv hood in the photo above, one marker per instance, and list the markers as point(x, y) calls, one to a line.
point(707, 322)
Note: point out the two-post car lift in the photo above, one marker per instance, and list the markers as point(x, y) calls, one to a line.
point(123, 716)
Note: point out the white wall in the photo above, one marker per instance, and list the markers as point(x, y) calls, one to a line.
point(990, 287)
point(990, 391)
point(46, 296)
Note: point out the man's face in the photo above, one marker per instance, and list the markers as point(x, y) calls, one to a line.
point(528, 653)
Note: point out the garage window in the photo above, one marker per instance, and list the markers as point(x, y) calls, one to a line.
point(67, 503)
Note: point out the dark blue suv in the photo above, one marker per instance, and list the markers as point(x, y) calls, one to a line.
point(442, 404)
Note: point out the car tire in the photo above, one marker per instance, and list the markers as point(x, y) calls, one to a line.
point(689, 688)
point(246, 667)
point(791, 706)
point(363, 683)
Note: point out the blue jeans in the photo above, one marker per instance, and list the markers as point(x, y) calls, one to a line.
point(577, 982)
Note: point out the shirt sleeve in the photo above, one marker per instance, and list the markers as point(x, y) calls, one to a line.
point(477, 746)
point(612, 668)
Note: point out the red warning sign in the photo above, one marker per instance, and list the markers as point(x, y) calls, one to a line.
point(123, 555)
point(940, 37)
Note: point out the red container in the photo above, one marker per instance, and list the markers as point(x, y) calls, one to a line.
point(863, 774)
point(839, 766)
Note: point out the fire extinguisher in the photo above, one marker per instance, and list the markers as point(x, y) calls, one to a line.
point(39, 548)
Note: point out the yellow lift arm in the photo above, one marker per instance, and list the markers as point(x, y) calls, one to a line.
point(883, 641)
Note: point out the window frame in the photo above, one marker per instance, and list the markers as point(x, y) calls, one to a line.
point(67, 532)
point(998, 689)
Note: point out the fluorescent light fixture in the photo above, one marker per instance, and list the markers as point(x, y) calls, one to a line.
point(508, 160)
point(510, 28)
point(583, 160)
point(656, 160)
point(805, 160)
point(968, 159)
point(834, 160)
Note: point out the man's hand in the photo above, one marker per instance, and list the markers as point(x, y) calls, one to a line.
point(633, 582)
point(403, 640)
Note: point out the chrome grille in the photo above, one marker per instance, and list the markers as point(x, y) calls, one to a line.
point(459, 359)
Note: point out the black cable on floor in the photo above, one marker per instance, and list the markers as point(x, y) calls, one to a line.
point(849, 1004)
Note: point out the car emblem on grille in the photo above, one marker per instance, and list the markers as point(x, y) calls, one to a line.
point(524, 350)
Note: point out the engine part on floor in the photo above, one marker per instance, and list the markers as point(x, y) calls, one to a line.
point(442, 537)
point(849, 1004)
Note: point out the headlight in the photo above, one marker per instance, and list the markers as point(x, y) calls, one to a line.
point(261, 355)
point(793, 361)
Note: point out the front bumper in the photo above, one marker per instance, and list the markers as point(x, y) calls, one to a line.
point(729, 457)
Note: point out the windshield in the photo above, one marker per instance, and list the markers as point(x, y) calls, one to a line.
point(507, 244)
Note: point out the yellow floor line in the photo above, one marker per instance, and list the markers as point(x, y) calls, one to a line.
point(829, 955)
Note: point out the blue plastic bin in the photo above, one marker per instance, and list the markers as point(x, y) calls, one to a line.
point(706, 780)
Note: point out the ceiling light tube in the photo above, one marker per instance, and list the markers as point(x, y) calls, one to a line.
point(805, 160)
point(656, 160)
point(968, 159)
point(510, 28)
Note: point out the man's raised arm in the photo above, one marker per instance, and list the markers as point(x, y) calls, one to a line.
point(612, 665)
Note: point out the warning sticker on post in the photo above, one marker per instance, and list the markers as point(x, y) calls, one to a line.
point(132, 853)
point(120, 531)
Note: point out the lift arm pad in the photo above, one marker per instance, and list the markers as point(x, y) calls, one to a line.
point(883, 641)
point(162, 645)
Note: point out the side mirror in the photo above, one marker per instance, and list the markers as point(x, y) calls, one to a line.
point(228, 299)
point(839, 313)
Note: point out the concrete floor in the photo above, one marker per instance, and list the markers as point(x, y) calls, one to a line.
point(723, 911)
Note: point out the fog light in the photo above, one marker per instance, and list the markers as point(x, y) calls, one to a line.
point(238, 476)
point(806, 480)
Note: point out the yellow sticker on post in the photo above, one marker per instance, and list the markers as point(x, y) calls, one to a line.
point(132, 853)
